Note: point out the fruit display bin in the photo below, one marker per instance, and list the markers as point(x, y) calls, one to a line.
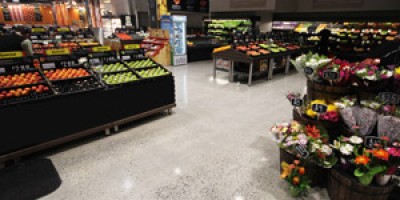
point(141, 64)
point(77, 85)
point(110, 67)
point(132, 79)
point(152, 72)
point(26, 93)
point(76, 116)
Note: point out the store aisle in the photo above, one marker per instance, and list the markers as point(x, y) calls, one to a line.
point(215, 146)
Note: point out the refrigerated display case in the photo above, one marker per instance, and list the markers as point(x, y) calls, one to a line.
point(176, 25)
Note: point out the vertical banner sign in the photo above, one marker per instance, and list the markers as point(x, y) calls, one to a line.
point(38, 14)
point(153, 13)
point(6, 13)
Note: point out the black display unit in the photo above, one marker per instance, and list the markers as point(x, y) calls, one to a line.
point(31, 126)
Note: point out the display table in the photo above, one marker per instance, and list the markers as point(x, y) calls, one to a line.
point(201, 52)
point(33, 126)
point(236, 56)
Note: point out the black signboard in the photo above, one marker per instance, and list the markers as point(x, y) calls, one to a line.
point(389, 98)
point(176, 5)
point(308, 70)
point(331, 75)
point(204, 5)
point(6, 13)
point(319, 108)
point(371, 142)
point(38, 14)
point(297, 102)
point(153, 13)
point(302, 150)
point(192, 5)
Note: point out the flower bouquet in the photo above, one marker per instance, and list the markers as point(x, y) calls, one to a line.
point(371, 77)
point(295, 175)
point(330, 115)
point(344, 70)
point(359, 120)
point(389, 126)
point(314, 62)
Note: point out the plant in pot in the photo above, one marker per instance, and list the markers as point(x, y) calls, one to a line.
point(294, 175)
point(390, 157)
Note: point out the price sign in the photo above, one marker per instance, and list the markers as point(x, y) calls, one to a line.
point(308, 70)
point(58, 37)
point(49, 66)
point(302, 150)
point(101, 49)
point(371, 142)
point(389, 98)
point(58, 52)
point(331, 75)
point(95, 61)
point(11, 54)
point(38, 30)
point(297, 102)
point(2, 70)
point(126, 57)
point(34, 37)
point(131, 46)
point(62, 29)
point(319, 108)
point(81, 36)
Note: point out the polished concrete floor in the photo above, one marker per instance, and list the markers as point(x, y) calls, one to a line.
point(215, 146)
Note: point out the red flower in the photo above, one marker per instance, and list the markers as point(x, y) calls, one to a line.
point(302, 171)
point(380, 154)
point(394, 152)
point(362, 160)
point(386, 138)
point(313, 132)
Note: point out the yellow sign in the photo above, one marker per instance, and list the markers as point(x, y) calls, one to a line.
point(38, 30)
point(62, 29)
point(58, 52)
point(11, 54)
point(101, 49)
point(131, 46)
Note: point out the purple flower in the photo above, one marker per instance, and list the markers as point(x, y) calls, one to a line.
point(370, 73)
point(374, 67)
point(384, 76)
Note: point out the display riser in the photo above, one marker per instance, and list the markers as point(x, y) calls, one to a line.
point(34, 126)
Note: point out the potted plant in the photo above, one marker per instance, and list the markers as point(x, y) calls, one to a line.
point(295, 175)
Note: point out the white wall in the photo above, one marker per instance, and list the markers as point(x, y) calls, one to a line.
point(340, 5)
point(244, 5)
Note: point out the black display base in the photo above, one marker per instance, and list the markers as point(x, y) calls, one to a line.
point(34, 126)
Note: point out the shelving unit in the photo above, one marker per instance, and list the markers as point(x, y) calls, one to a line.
point(225, 29)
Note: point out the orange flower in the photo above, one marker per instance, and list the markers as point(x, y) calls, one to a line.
point(380, 154)
point(302, 171)
point(313, 132)
point(362, 160)
point(296, 180)
point(296, 162)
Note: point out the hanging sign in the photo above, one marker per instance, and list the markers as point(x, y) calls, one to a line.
point(131, 46)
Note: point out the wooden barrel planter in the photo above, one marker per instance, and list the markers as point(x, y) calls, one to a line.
point(334, 128)
point(342, 186)
point(326, 92)
point(318, 175)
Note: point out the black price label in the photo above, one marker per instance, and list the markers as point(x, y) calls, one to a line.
point(308, 70)
point(38, 14)
point(297, 102)
point(389, 98)
point(331, 75)
point(302, 150)
point(6, 14)
point(319, 108)
point(371, 142)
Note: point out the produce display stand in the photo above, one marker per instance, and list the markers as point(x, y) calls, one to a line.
point(236, 56)
point(31, 126)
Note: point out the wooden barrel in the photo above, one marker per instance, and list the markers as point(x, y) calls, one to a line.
point(318, 175)
point(342, 186)
point(326, 92)
point(375, 86)
point(334, 128)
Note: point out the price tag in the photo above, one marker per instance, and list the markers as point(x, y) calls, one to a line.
point(319, 108)
point(302, 150)
point(58, 37)
point(389, 98)
point(62, 29)
point(58, 52)
point(331, 75)
point(2, 70)
point(11, 54)
point(34, 37)
point(297, 102)
point(371, 142)
point(126, 57)
point(38, 30)
point(49, 66)
point(95, 61)
point(308, 70)
point(131, 46)
point(101, 49)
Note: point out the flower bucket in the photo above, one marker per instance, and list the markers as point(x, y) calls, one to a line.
point(374, 86)
point(334, 128)
point(318, 175)
point(383, 179)
point(326, 92)
point(342, 186)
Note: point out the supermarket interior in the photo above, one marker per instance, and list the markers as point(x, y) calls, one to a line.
point(200, 99)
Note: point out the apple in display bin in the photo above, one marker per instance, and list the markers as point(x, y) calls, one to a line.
point(20, 79)
point(116, 67)
point(141, 63)
point(65, 73)
point(32, 92)
point(153, 72)
point(119, 78)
